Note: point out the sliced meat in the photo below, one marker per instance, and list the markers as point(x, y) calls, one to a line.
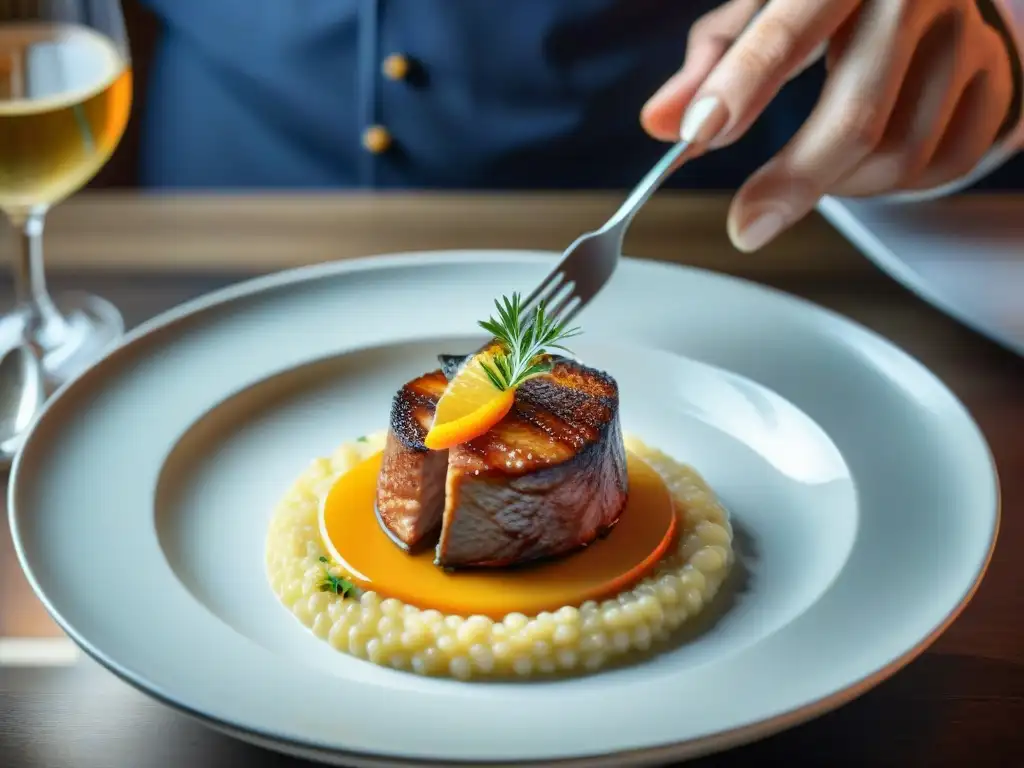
point(548, 479)
point(410, 487)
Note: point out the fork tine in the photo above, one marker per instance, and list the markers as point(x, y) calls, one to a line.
point(572, 312)
point(556, 312)
point(547, 299)
point(550, 283)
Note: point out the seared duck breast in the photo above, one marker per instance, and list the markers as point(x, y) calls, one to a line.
point(547, 479)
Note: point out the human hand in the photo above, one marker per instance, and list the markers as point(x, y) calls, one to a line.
point(916, 93)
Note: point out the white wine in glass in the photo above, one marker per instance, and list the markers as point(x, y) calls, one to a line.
point(65, 98)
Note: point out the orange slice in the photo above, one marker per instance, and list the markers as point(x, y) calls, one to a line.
point(470, 406)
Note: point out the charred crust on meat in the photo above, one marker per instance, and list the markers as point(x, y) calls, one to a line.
point(573, 406)
point(419, 396)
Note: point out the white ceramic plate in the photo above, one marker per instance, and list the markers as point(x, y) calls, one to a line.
point(864, 497)
point(962, 254)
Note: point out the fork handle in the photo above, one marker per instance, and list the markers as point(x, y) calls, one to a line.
point(641, 194)
point(648, 186)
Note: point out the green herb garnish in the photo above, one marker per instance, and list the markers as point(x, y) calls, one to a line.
point(361, 439)
point(336, 584)
point(525, 342)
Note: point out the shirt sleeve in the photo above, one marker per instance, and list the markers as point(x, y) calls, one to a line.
point(1011, 13)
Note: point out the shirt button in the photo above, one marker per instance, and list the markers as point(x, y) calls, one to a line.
point(395, 67)
point(376, 139)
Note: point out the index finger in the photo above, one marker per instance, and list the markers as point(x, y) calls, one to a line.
point(779, 40)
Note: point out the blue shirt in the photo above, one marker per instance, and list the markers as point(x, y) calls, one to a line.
point(531, 94)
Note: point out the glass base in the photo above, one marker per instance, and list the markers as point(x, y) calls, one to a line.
point(87, 328)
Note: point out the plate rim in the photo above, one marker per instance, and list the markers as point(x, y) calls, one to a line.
point(846, 221)
point(688, 749)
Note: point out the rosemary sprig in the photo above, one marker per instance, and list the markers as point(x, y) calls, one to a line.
point(336, 584)
point(525, 342)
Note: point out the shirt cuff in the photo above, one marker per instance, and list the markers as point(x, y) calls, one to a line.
point(1012, 14)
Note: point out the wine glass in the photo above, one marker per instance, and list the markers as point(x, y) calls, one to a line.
point(65, 97)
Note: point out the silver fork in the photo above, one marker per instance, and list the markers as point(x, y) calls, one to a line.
point(589, 262)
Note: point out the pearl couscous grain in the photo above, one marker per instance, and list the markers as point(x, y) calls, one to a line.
point(572, 639)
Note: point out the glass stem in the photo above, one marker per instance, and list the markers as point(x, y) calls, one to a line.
point(42, 319)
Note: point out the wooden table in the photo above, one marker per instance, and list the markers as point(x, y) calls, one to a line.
point(961, 704)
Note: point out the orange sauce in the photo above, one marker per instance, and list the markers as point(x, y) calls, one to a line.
point(610, 565)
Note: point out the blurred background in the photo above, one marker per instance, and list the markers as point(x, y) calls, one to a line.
point(146, 33)
point(284, 102)
point(144, 30)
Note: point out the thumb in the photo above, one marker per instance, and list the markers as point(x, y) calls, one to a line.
point(710, 37)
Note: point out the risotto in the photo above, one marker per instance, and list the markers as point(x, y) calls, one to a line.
point(572, 639)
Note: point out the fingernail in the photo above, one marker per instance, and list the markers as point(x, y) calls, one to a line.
point(703, 120)
point(761, 229)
